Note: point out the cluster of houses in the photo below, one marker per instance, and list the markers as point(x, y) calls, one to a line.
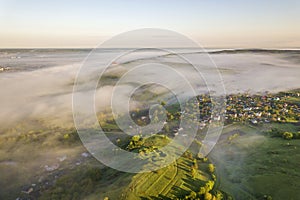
point(257, 109)
point(252, 108)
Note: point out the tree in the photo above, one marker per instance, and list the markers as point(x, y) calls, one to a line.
point(163, 103)
point(136, 138)
point(219, 195)
point(136, 142)
point(214, 177)
point(287, 135)
point(208, 196)
point(195, 164)
point(202, 190)
point(211, 168)
point(193, 195)
point(209, 185)
point(193, 172)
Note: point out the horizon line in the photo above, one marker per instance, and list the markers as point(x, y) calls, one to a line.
point(83, 48)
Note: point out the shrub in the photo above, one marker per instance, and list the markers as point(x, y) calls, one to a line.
point(211, 168)
point(219, 195)
point(193, 195)
point(209, 185)
point(135, 138)
point(202, 190)
point(287, 135)
point(193, 173)
point(208, 196)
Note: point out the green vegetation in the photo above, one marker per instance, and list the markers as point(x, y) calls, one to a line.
point(257, 156)
point(283, 133)
point(187, 178)
point(257, 166)
point(211, 168)
point(76, 185)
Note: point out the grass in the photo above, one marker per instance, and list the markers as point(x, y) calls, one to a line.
point(171, 182)
point(254, 165)
point(275, 169)
point(290, 127)
point(89, 181)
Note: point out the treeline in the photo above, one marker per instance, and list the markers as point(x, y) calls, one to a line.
point(206, 191)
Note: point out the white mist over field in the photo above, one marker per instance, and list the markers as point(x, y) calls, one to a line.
point(39, 84)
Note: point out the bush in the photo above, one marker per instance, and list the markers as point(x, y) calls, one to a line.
point(136, 142)
point(209, 186)
point(211, 168)
point(192, 195)
point(219, 195)
point(208, 196)
point(202, 190)
point(287, 135)
point(193, 172)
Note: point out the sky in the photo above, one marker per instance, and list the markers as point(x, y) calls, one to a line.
point(211, 23)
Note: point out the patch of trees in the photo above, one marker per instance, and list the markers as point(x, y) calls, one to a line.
point(135, 142)
point(194, 169)
point(284, 134)
point(206, 192)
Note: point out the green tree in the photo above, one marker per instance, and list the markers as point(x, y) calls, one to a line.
point(209, 186)
point(195, 164)
point(219, 195)
point(193, 172)
point(163, 103)
point(192, 195)
point(287, 135)
point(211, 168)
point(208, 196)
point(202, 190)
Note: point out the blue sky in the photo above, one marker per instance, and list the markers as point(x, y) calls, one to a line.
point(256, 23)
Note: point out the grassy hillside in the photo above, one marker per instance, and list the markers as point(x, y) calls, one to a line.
point(182, 179)
point(258, 166)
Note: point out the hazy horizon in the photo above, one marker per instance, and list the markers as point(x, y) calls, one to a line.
point(212, 24)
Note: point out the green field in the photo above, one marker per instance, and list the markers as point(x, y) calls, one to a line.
point(253, 166)
point(171, 182)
